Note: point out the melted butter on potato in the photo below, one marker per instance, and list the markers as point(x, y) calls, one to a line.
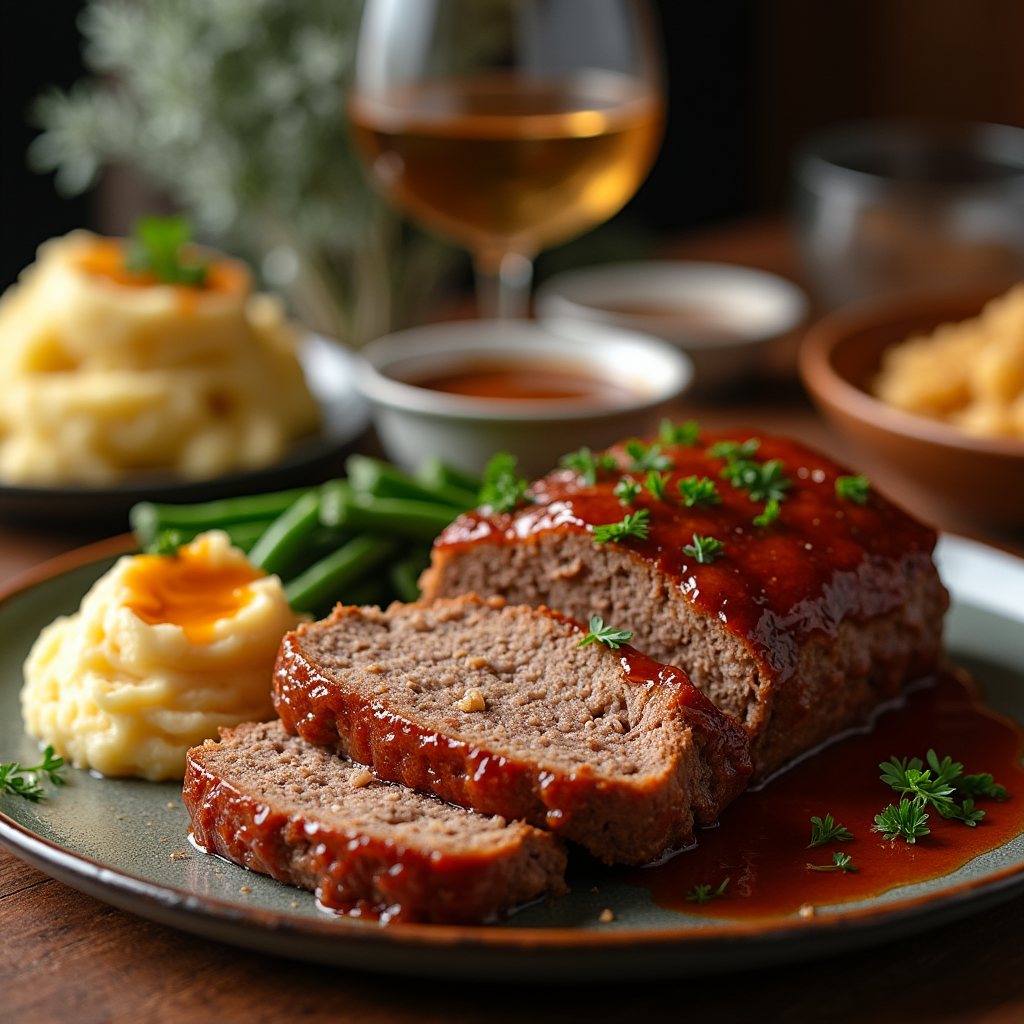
point(163, 650)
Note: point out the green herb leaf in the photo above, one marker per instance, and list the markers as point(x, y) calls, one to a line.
point(700, 491)
point(825, 830)
point(704, 549)
point(762, 480)
point(656, 483)
point(24, 782)
point(607, 635)
point(905, 821)
point(158, 248)
point(627, 490)
point(685, 435)
point(587, 464)
point(502, 488)
point(645, 458)
point(635, 524)
point(167, 542)
point(770, 513)
point(982, 785)
point(705, 894)
point(840, 862)
point(853, 488)
point(731, 450)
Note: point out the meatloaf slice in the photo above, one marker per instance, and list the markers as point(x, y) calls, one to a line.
point(281, 806)
point(796, 628)
point(500, 709)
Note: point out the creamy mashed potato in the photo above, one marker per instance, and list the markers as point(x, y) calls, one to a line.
point(103, 373)
point(163, 650)
point(970, 374)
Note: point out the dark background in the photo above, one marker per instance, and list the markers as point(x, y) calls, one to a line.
point(747, 80)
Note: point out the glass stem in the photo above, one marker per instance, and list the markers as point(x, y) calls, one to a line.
point(503, 285)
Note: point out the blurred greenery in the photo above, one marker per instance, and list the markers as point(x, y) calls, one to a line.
point(234, 108)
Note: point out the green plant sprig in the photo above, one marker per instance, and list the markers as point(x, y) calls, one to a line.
point(633, 524)
point(158, 247)
point(762, 481)
point(627, 490)
point(705, 894)
point(704, 549)
point(770, 513)
point(646, 457)
point(937, 785)
point(732, 450)
point(502, 488)
point(24, 782)
point(981, 785)
point(587, 464)
point(825, 830)
point(840, 862)
point(903, 821)
point(607, 635)
point(656, 483)
point(683, 435)
point(853, 488)
point(696, 491)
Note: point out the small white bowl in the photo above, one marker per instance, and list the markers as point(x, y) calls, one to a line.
point(722, 315)
point(415, 423)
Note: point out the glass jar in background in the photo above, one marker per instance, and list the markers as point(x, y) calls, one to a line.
point(883, 206)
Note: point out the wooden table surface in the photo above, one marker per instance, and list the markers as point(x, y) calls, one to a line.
point(66, 956)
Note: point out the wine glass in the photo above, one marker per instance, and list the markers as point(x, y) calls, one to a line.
point(507, 125)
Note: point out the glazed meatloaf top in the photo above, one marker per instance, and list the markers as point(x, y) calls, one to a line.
point(501, 709)
point(306, 816)
point(823, 559)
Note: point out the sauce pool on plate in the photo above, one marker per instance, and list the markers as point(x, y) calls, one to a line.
point(527, 381)
point(761, 842)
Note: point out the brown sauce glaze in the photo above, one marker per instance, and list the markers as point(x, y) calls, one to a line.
point(823, 560)
point(760, 843)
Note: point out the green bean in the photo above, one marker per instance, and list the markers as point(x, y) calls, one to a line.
point(437, 473)
point(287, 537)
point(382, 480)
point(148, 518)
point(405, 573)
point(327, 579)
point(341, 506)
point(243, 535)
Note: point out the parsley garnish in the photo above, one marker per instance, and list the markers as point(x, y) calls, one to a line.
point(685, 435)
point(853, 488)
point(633, 524)
point(907, 820)
point(587, 464)
point(763, 480)
point(24, 782)
point(704, 549)
point(607, 635)
point(770, 513)
point(167, 542)
point(157, 249)
point(933, 785)
point(705, 894)
point(655, 483)
point(840, 862)
point(981, 785)
point(825, 830)
point(646, 458)
point(696, 491)
point(731, 450)
point(627, 490)
point(502, 488)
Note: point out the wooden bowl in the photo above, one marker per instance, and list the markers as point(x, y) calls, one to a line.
point(979, 477)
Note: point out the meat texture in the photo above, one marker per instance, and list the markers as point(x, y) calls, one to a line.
point(281, 806)
point(501, 710)
point(796, 628)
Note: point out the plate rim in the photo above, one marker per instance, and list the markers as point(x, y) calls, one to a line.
point(72, 867)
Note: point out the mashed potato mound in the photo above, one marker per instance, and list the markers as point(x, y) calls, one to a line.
point(970, 374)
point(101, 376)
point(116, 688)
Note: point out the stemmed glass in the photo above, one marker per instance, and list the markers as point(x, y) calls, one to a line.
point(507, 126)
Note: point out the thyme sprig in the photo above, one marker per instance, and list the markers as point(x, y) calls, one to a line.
point(825, 830)
point(646, 457)
point(704, 549)
point(656, 483)
point(840, 862)
point(633, 524)
point(25, 782)
point(685, 435)
point(502, 488)
point(587, 464)
point(698, 491)
point(627, 490)
point(607, 635)
point(705, 894)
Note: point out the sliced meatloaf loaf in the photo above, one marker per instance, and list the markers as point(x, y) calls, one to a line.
point(281, 806)
point(795, 626)
point(500, 709)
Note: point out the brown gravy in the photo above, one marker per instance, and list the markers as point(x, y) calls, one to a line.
point(527, 381)
point(760, 844)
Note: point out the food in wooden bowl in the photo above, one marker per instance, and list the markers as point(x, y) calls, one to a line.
point(840, 362)
point(122, 357)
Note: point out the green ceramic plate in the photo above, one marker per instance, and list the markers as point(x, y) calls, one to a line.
point(124, 842)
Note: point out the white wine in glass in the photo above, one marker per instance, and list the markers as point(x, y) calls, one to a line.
point(507, 126)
